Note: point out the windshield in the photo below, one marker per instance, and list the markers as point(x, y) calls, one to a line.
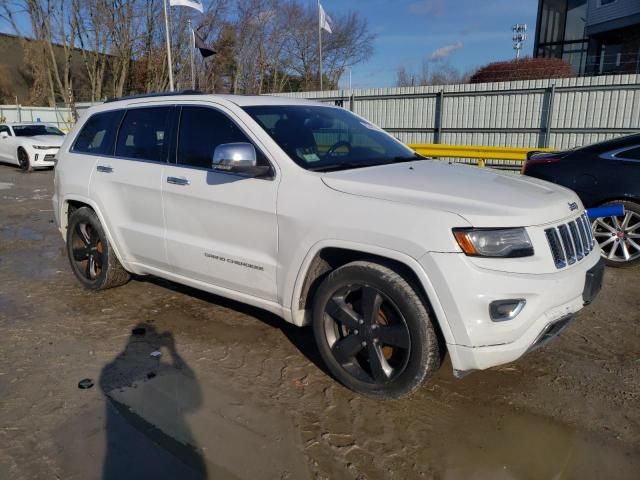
point(325, 139)
point(33, 130)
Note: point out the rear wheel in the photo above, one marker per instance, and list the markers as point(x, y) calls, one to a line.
point(619, 237)
point(92, 259)
point(374, 331)
point(24, 161)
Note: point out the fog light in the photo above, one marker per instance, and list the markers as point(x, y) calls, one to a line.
point(502, 310)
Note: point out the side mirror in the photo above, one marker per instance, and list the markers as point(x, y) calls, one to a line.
point(238, 158)
point(4, 135)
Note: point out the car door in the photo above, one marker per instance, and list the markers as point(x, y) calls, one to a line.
point(221, 228)
point(620, 176)
point(7, 153)
point(126, 185)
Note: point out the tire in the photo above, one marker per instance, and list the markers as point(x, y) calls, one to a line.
point(619, 237)
point(92, 259)
point(364, 311)
point(24, 161)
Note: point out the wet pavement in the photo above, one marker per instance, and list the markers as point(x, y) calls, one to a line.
point(237, 393)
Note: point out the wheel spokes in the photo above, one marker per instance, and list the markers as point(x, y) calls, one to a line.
point(371, 301)
point(380, 369)
point(395, 336)
point(343, 313)
point(345, 349)
point(603, 224)
point(80, 254)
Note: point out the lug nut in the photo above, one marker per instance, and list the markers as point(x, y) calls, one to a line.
point(356, 332)
point(364, 344)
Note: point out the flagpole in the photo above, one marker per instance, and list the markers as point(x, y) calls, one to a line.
point(193, 47)
point(320, 41)
point(166, 28)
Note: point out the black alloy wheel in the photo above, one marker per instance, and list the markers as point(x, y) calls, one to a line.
point(374, 330)
point(367, 333)
point(92, 259)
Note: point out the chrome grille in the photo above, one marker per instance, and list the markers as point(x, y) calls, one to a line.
point(570, 242)
point(49, 158)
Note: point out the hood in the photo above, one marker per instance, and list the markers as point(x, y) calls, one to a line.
point(485, 198)
point(46, 140)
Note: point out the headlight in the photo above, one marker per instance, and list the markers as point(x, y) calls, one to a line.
point(494, 242)
point(42, 147)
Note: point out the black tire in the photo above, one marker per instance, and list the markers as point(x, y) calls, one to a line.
point(618, 234)
point(396, 329)
point(92, 259)
point(24, 160)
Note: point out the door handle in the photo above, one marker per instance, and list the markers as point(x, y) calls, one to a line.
point(178, 181)
point(104, 168)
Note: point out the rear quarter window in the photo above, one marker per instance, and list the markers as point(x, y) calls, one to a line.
point(98, 133)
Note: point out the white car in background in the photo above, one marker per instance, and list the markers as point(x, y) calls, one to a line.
point(30, 145)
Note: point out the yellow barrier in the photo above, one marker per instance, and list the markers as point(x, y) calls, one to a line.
point(481, 153)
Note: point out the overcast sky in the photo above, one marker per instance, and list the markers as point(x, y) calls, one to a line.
point(465, 33)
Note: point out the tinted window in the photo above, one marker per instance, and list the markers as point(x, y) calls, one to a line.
point(144, 134)
point(614, 144)
point(98, 133)
point(632, 154)
point(328, 138)
point(33, 130)
point(4, 128)
point(201, 131)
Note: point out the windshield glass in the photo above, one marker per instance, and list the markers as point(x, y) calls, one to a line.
point(33, 130)
point(325, 139)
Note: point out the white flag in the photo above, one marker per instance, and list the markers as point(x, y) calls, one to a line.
point(197, 4)
point(325, 20)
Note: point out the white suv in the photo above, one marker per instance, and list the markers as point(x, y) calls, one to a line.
point(313, 213)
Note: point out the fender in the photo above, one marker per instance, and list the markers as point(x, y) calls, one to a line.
point(64, 223)
point(297, 315)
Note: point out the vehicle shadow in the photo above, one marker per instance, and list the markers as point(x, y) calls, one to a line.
point(138, 381)
point(300, 337)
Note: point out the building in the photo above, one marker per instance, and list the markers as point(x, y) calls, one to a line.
point(595, 36)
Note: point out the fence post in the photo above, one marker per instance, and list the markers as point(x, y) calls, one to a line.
point(547, 118)
point(352, 100)
point(437, 138)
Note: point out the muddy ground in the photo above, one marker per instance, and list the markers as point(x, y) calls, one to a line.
point(237, 393)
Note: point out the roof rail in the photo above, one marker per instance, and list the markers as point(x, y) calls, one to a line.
point(155, 94)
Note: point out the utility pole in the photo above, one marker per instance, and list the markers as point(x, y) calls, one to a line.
point(193, 63)
point(166, 28)
point(320, 40)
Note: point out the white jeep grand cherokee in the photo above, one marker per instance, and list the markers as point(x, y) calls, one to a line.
point(315, 214)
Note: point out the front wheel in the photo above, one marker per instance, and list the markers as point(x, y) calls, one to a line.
point(373, 331)
point(619, 237)
point(92, 259)
point(24, 161)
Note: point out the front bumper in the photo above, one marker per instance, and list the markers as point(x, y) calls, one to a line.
point(465, 291)
point(43, 158)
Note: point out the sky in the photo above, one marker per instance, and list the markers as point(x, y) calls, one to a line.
point(465, 33)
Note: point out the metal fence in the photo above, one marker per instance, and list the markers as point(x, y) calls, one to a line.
point(553, 113)
point(61, 117)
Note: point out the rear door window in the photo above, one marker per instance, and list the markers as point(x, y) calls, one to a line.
point(98, 133)
point(144, 134)
point(631, 154)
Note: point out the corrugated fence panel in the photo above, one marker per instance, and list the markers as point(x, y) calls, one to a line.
point(555, 113)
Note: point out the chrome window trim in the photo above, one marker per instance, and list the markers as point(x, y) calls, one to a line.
point(615, 154)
